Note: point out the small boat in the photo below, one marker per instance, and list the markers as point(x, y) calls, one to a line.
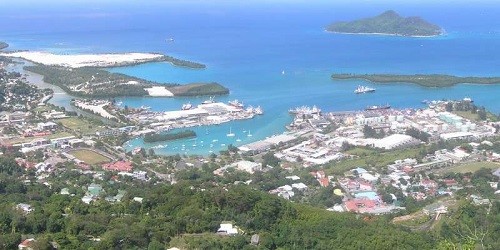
point(215, 140)
point(169, 39)
point(187, 106)
point(209, 101)
point(258, 110)
point(282, 72)
point(223, 145)
point(230, 134)
point(363, 89)
point(467, 99)
point(236, 104)
point(238, 140)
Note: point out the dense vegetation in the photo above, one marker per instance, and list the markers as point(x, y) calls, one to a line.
point(156, 137)
point(104, 83)
point(182, 210)
point(183, 63)
point(199, 89)
point(3, 45)
point(94, 82)
point(388, 22)
point(432, 80)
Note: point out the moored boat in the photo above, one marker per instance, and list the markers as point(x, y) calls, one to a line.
point(363, 89)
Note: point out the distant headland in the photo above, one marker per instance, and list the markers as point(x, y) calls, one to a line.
point(388, 23)
point(3, 45)
point(431, 80)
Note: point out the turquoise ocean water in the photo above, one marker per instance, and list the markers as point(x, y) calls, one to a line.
point(246, 48)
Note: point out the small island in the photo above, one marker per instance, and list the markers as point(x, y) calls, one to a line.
point(3, 45)
point(388, 23)
point(91, 82)
point(155, 137)
point(426, 80)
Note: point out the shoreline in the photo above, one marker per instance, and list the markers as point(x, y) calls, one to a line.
point(85, 60)
point(381, 34)
point(425, 80)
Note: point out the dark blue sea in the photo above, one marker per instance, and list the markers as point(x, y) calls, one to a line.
point(247, 46)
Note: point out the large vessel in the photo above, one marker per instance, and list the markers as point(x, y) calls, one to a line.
point(375, 107)
point(363, 89)
point(305, 110)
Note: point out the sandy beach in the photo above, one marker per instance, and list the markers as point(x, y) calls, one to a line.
point(84, 60)
point(158, 91)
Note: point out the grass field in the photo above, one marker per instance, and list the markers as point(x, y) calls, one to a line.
point(79, 125)
point(369, 157)
point(89, 157)
point(28, 139)
point(470, 167)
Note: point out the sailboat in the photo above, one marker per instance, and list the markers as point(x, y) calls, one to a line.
point(230, 134)
point(249, 134)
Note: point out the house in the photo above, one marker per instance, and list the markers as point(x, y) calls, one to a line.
point(247, 166)
point(359, 205)
point(41, 126)
point(226, 228)
point(25, 208)
point(324, 182)
point(299, 186)
point(26, 244)
point(121, 166)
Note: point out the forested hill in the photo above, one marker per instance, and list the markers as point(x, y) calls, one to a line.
point(170, 211)
point(390, 23)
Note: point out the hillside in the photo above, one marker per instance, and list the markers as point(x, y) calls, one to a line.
point(389, 23)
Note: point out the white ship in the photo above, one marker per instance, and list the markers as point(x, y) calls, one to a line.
point(363, 89)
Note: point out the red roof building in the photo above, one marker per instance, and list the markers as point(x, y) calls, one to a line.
point(121, 166)
point(26, 244)
point(359, 205)
point(324, 182)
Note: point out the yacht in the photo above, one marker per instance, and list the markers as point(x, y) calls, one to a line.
point(363, 89)
point(230, 134)
point(236, 103)
point(467, 99)
point(187, 106)
point(258, 110)
point(209, 101)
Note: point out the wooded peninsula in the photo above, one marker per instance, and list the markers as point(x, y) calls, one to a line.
point(93, 82)
point(387, 23)
point(426, 80)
